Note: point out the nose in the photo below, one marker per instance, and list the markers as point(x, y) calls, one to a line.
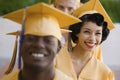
point(92, 38)
point(65, 10)
point(39, 43)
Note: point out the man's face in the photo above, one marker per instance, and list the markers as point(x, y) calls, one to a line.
point(67, 6)
point(39, 52)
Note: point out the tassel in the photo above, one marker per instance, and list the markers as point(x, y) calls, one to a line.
point(12, 62)
point(21, 37)
point(69, 43)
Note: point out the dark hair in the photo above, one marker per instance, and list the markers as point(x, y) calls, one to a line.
point(84, 1)
point(95, 18)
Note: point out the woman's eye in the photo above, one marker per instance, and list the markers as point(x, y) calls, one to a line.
point(86, 32)
point(98, 33)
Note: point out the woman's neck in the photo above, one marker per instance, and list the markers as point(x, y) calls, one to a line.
point(79, 59)
point(80, 53)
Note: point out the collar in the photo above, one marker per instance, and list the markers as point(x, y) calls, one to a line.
point(20, 76)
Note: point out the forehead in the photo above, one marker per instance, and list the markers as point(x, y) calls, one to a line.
point(34, 36)
point(91, 26)
point(68, 2)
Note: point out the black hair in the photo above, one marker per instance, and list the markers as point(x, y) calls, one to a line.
point(95, 18)
point(84, 1)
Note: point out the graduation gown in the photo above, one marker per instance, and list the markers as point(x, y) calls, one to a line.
point(93, 70)
point(58, 76)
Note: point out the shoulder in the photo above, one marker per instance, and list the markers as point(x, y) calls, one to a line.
point(63, 52)
point(61, 76)
point(11, 76)
point(62, 57)
point(102, 68)
point(97, 70)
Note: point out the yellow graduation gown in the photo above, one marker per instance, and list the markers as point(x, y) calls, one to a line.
point(58, 76)
point(94, 69)
point(98, 53)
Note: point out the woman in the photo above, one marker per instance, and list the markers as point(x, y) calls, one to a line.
point(78, 61)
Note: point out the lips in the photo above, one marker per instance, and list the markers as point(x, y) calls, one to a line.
point(90, 45)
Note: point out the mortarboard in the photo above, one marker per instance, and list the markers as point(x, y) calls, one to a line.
point(50, 17)
point(76, 0)
point(96, 6)
point(41, 20)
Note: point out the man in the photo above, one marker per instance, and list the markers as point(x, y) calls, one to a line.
point(67, 6)
point(40, 41)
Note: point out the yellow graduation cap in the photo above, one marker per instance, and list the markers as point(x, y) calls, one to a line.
point(94, 5)
point(76, 0)
point(41, 20)
point(79, 1)
point(43, 14)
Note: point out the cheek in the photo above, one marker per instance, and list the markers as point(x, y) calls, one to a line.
point(99, 39)
point(53, 48)
point(24, 47)
point(82, 37)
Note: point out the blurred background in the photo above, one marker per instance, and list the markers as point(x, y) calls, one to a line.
point(111, 51)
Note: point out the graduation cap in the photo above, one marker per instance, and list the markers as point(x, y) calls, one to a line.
point(76, 0)
point(42, 10)
point(79, 1)
point(94, 5)
point(40, 20)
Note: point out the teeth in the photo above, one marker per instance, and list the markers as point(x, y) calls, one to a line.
point(37, 55)
point(90, 44)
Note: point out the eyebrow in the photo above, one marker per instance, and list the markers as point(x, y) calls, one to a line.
point(87, 28)
point(90, 29)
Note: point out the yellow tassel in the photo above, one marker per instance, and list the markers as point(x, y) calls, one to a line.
point(69, 43)
point(12, 63)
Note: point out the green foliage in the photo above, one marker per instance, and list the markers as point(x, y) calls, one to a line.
point(7, 6)
point(112, 7)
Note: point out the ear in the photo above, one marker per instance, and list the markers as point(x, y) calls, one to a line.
point(77, 39)
point(54, 4)
point(59, 46)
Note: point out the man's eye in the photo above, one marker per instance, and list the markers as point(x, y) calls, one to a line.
point(70, 9)
point(49, 39)
point(29, 38)
point(61, 7)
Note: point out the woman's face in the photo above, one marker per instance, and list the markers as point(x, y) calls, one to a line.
point(89, 36)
